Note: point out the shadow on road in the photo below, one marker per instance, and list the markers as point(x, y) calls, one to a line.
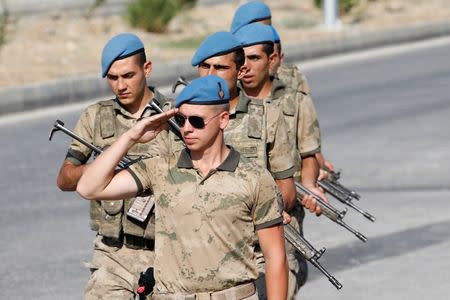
point(356, 253)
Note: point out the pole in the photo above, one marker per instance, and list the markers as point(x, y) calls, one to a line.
point(330, 12)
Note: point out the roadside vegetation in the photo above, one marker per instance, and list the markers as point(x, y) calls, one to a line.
point(3, 21)
point(154, 15)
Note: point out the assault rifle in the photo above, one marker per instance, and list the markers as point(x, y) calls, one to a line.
point(341, 193)
point(59, 126)
point(328, 210)
point(125, 161)
point(308, 251)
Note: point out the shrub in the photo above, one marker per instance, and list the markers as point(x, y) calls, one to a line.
point(154, 15)
point(3, 21)
point(344, 5)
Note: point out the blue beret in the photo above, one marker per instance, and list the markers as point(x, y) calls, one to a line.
point(276, 36)
point(217, 44)
point(208, 90)
point(252, 11)
point(255, 33)
point(120, 46)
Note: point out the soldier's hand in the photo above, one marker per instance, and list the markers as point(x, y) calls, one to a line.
point(310, 204)
point(329, 165)
point(323, 174)
point(148, 128)
point(286, 218)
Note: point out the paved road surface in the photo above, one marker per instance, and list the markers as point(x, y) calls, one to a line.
point(385, 119)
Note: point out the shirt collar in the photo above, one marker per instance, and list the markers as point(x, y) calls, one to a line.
point(229, 164)
point(276, 87)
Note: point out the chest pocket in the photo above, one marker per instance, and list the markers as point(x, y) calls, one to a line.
point(256, 120)
point(107, 124)
point(289, 108)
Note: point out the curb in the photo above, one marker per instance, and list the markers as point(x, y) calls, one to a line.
point(79, 89)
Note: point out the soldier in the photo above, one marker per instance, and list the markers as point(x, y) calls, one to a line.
point(211, 202)
point(258, 43)
point(259, 12)
point(254, 124)
point(124, 245)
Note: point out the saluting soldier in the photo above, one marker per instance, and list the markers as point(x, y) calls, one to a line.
point(212, 204)
point(124, 245)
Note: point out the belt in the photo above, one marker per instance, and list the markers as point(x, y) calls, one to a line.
point(130, 241)
point(234, 293)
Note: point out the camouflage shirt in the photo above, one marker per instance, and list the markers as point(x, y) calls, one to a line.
point(258, 131)
point(205, 225)
point(292, 91)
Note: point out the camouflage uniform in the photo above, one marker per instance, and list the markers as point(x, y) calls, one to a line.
point(292, 92)
point(124, 246)
point(257, 130)
point(205, 226)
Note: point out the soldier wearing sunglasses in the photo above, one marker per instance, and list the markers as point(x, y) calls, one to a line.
point(212, 203)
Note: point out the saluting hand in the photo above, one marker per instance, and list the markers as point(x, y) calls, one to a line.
point(148, 128)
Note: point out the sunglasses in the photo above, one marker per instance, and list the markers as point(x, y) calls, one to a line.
point(195, 121)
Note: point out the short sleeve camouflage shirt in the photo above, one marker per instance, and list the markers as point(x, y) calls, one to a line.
point(205, 225)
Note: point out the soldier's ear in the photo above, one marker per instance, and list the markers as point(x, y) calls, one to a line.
point(273, 59)
point(224, 119)
point(148, 68)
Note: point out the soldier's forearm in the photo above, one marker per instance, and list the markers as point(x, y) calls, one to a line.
point(309, 171)
point(277, 277)
point(68, 176)
point(287, 188)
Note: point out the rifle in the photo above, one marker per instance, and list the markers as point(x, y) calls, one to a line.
point(332, 180)
point(308, 251)
point(125, 162)
point(341, 193)
point(328, 210)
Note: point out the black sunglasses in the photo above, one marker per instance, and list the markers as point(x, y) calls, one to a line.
point(196, 121)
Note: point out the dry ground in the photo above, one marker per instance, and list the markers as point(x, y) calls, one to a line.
point(62, 45)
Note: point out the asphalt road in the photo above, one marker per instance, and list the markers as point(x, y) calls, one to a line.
point(385, 119)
